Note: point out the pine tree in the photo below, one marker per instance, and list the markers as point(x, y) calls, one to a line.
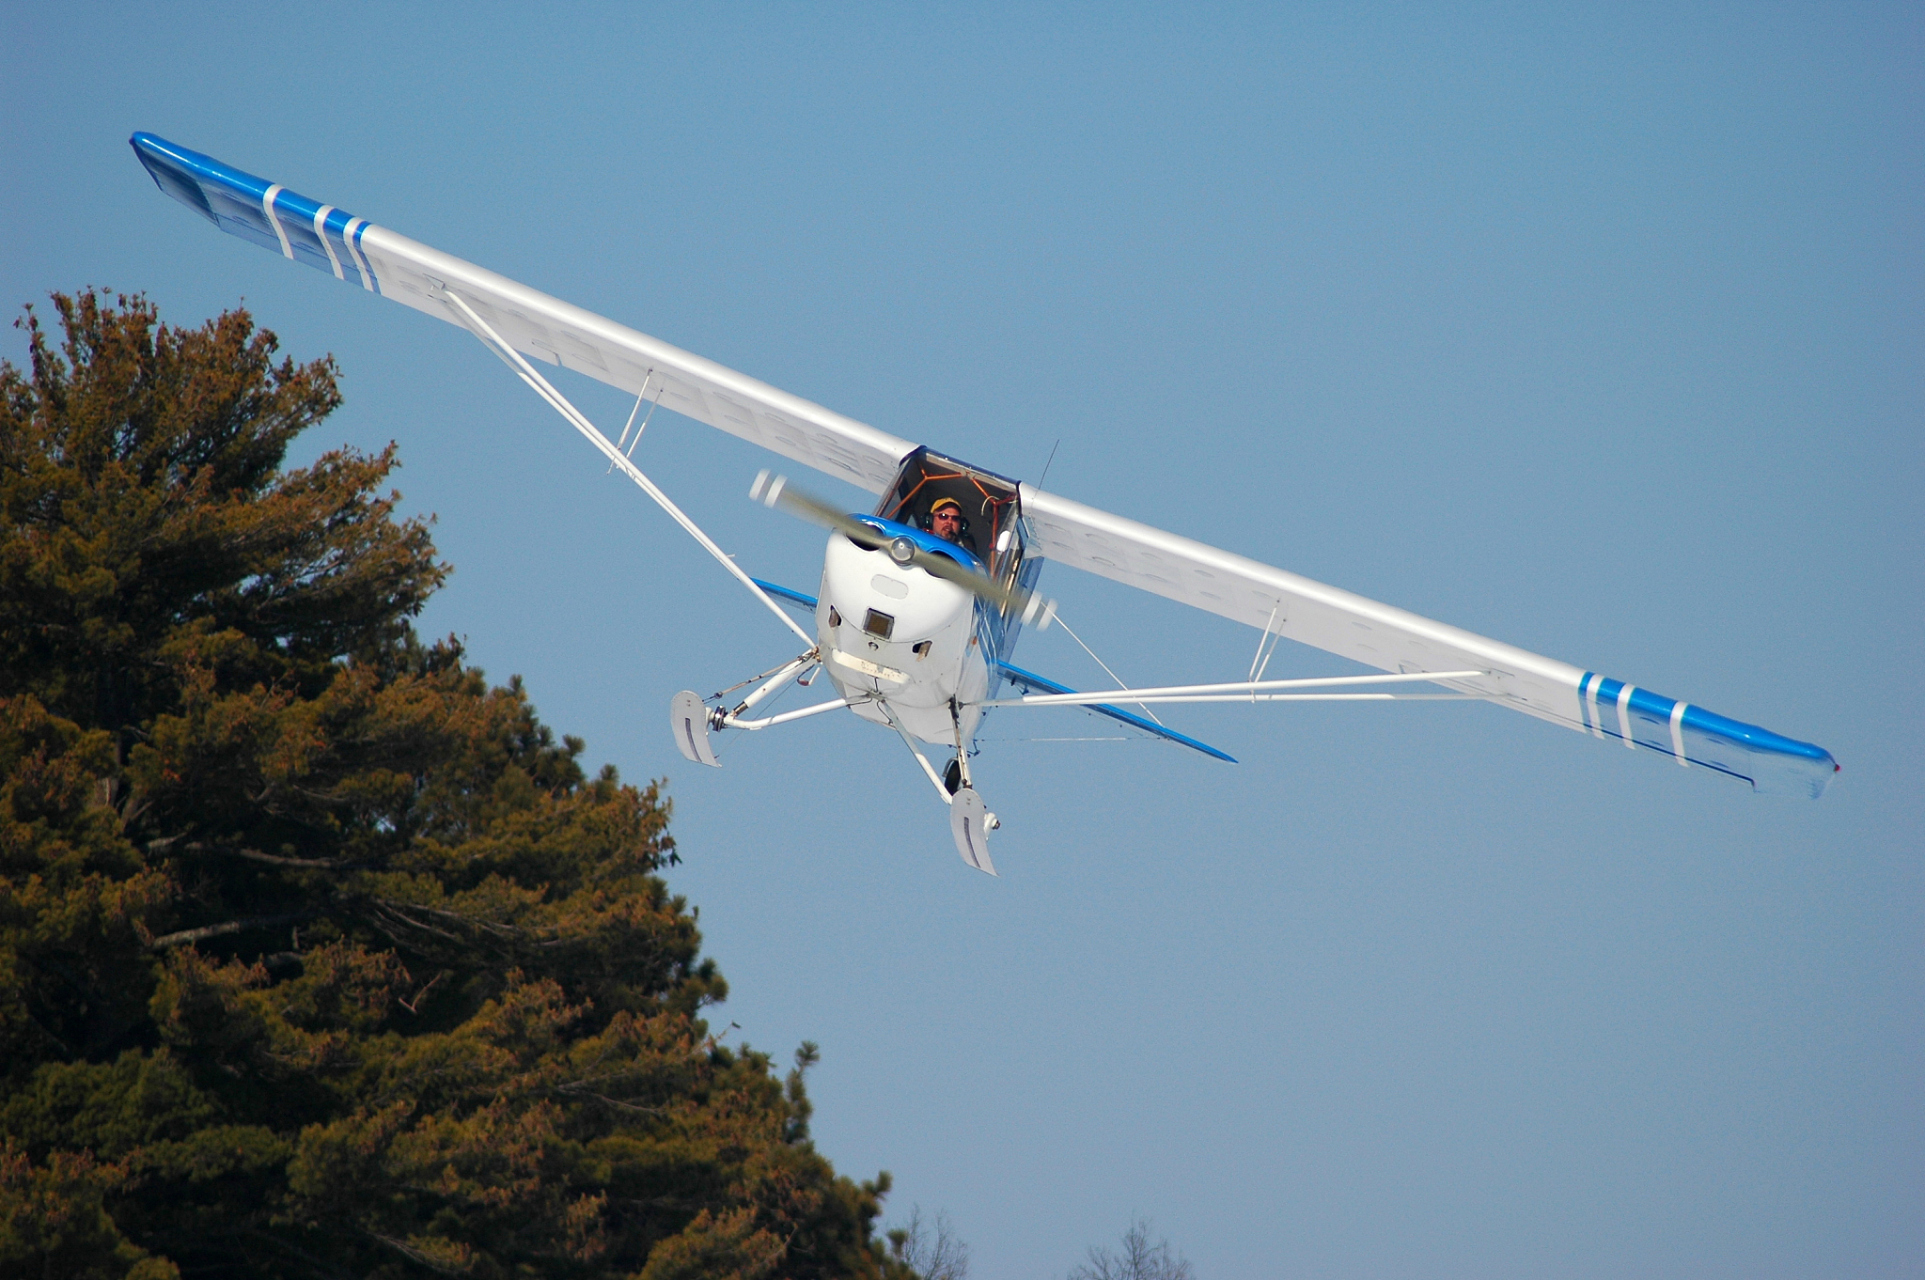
point(320, 956)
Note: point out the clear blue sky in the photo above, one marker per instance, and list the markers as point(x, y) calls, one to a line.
point(1597, 331)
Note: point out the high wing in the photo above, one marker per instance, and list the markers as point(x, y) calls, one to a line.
point(1391, 639)
point(539, 326)
point(1060, 529)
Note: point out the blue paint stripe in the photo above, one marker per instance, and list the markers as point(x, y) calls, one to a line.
point(1042, 684)
point(1583, 698)
point(1607, 706)
point(179, 160)
point(232, 200)
point(373, 276)
point(1769, 761)
point(1750, 734)
point(337, 229)
point(786, 593)
point(924, 540)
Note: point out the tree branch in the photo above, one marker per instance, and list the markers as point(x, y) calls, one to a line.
point(413, 1254)
point(253, 855)
point(185, 936)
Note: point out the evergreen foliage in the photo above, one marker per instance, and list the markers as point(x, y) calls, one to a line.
point(318, 955)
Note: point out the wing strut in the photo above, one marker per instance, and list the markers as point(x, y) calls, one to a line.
point(1261, 662)
point(576, 419)
point(641, 396)
point(1259, 691)
point(1106, 666)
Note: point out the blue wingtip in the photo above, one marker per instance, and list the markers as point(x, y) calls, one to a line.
point(1770, 762)
point(258, 211)
point(170, 168)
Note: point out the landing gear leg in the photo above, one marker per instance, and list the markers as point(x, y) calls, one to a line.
point(958, 774)
point(969, 821)
point(692, 719)
point(957, 778)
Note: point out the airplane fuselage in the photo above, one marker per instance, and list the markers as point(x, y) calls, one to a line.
point(895, 634)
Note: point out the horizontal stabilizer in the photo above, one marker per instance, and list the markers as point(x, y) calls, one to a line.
point(797, 602)
point(1040, 684)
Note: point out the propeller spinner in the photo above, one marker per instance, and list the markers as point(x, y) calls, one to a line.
point(776, 492)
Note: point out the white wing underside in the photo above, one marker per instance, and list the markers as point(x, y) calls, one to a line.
point(547, 328)
point(1295, 607)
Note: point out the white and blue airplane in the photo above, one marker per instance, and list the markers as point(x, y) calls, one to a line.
point(914, 630)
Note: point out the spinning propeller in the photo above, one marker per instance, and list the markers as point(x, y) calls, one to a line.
point(775, 491)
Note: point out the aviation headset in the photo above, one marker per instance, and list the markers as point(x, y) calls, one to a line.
point(929, 518)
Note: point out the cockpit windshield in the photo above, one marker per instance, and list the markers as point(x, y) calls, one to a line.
point(974, 509)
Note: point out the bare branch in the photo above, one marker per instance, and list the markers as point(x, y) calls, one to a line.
point(579, 1089)
point(413, 1254)
point(185, 936)
point(933, 1254)
point(255, 855)
point(1139, 1260)
point(414, 1005)
point(252, 855)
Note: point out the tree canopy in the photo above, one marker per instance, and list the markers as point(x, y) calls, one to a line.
point(320, 956)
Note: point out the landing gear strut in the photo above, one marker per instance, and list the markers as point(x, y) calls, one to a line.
point(969, 821)
point(692, 720)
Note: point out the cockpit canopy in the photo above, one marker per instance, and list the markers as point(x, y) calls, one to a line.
point(990, 507)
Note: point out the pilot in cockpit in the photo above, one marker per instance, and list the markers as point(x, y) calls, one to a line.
point(946, 522)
